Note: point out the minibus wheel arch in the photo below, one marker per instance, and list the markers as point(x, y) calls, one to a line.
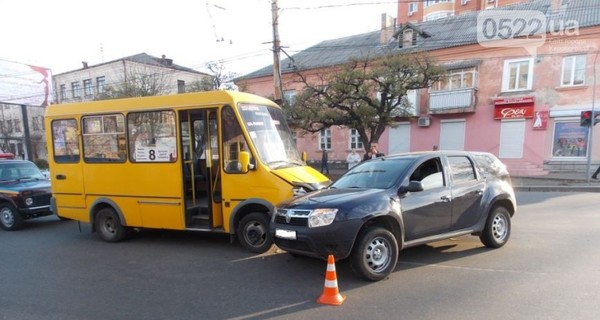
point(102, 203)
point(249, 222)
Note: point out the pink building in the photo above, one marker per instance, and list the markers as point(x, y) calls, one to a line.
point(522, 105)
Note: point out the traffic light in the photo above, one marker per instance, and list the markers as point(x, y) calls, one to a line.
point(587, 116)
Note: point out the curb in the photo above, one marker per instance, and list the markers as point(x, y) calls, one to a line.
point(556, 188)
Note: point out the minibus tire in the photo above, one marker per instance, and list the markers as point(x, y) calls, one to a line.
point(109, 226)
point(253, 232)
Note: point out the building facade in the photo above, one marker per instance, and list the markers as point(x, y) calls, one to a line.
point(521, 105)
point(427, 10)
point(142, 71)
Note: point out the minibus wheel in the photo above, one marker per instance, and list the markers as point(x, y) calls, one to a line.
point(109, 226)
point(253, 232)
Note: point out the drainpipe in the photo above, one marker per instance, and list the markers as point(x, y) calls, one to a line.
point(591, 137)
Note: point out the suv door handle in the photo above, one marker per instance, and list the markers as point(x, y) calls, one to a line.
point(445, 198)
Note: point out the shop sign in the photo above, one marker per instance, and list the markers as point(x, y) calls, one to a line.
point(513, 108)
point(540, 120)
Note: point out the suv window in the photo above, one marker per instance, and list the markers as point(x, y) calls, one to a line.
point(429, 173)
point(490, 165)
point(461, 168)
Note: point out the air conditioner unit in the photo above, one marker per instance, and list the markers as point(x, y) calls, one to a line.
point(463, 2)
point(410, 13)
point(424, 122)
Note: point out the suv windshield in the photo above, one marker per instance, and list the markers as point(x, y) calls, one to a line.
point(377, 174)
point(19, 170)
point(270, 135)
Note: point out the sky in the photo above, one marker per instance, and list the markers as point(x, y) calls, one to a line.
point(60, 34)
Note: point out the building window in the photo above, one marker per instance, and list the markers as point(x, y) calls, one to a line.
point(409, 38)
point(87, 87)
point(100, 84)
point(570, 140)
point(456, 79)
point(75, 90)
point(355, 141)
point(438, 15)
point(412, 8)
point(432, 2)
point(63, 92)
point(573, 70)
point(289, 96)
point(180, 86)
point(325, 139)
point(17, 125)
point(37, 123)
point(518, 75)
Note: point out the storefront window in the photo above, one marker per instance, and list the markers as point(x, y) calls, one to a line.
point(570, 140)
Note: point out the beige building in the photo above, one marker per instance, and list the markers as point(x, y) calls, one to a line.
point(427, 10)
point(158, 76)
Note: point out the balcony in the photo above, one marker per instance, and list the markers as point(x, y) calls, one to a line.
point(452, 101)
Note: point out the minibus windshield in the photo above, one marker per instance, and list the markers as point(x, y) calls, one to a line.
point(270, 135)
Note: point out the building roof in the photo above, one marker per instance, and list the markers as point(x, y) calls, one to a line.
point(442, 33)
point(147, 59)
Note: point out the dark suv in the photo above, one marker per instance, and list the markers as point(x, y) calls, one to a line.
point(24, 193)
point(390, 203)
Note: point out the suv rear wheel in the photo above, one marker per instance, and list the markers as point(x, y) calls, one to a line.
point(375, 254)
point(497, 228)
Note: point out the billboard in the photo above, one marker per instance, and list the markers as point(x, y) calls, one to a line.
point(25, 84)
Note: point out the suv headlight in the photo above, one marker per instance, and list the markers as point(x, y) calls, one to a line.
point(29, 201)
point(321, 217)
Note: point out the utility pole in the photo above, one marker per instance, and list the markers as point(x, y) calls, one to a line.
point(276, 48)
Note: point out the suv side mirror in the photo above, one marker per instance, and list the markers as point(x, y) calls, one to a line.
point(413, 186)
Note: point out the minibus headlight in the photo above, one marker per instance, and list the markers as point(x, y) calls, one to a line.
point(321, 217)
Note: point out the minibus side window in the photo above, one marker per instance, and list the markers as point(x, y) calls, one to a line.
point(233, 141)
point(65, 141)
point(104, 138)
point(152, 136)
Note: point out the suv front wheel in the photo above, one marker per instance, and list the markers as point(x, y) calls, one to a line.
point(375, 254)
point(10, 219)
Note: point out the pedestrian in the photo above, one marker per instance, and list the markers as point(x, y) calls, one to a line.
point(353, 159)
point(595, 175)
point(324, 159)
point(374, 153)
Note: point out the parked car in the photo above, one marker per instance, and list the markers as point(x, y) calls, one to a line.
point(24, 193)
point(387, 204)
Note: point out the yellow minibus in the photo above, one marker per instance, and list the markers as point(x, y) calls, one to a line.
point(213, 161)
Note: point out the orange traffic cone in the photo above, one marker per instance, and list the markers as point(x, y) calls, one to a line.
point(331, 295)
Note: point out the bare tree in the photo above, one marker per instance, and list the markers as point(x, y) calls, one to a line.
point(220, 78)
point(364, 94)
point(138, 82)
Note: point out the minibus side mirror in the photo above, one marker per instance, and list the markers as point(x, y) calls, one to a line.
point(304, 156)
point(244, 158)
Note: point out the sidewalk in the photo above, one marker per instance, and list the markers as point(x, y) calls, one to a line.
point(552, 182)
point(569, 182)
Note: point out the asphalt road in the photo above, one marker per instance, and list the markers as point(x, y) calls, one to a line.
point(548, 270)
